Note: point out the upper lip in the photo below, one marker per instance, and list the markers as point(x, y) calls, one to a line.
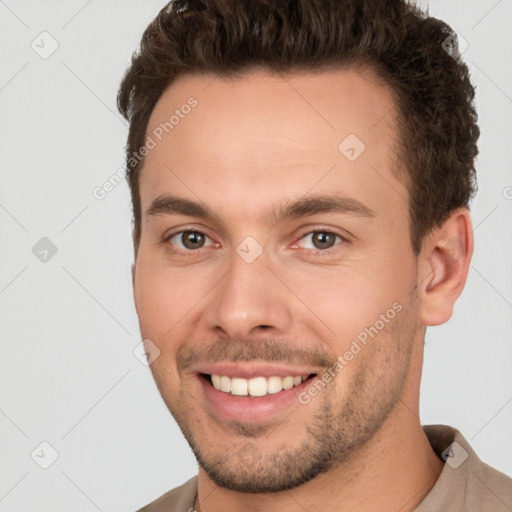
point(250, 370)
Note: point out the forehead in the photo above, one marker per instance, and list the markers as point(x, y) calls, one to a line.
point(264, 135)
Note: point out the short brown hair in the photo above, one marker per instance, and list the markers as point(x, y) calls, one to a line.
point(408, 50)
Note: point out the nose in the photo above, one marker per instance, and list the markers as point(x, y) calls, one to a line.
point(249, 300)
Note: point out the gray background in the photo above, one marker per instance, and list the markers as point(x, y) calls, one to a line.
point(68, 375)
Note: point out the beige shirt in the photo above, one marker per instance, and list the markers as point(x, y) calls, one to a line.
point(466, 484)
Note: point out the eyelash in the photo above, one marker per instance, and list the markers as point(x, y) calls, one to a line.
point(313, 252)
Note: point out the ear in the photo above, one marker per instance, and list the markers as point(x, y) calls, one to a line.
point(133, 276)
point(133, 285)
point(443, 267)
point(134, 264)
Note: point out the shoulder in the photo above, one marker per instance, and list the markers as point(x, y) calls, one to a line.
point(180, 498)
point(490, 487)
point(466, 483)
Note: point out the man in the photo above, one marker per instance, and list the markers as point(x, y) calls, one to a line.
point(300, 174)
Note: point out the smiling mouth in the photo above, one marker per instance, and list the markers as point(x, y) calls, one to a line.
point(256, 386)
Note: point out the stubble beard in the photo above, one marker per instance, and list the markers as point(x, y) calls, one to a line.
point(335, 431)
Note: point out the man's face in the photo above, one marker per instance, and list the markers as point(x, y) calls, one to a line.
point(253, 297)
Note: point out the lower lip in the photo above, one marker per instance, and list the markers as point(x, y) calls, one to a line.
point(252, 409)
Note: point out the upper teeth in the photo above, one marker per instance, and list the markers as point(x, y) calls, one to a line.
point(257, 386)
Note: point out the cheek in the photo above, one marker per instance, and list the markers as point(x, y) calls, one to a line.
point(344, 300)
point(168, 302)
point(155, 299)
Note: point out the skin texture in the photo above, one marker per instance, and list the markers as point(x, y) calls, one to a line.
point(261, 141)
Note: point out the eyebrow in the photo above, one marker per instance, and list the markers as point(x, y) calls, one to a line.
point(169, 204)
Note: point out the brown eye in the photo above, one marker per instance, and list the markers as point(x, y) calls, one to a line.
point(192, 239)
point(323, 239)
point(189, 241)
point(321, 242)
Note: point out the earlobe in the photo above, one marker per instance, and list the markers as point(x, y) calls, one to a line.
point(444, 267)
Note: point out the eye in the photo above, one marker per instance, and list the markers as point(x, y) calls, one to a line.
point(188, 240)
point(321, 241)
